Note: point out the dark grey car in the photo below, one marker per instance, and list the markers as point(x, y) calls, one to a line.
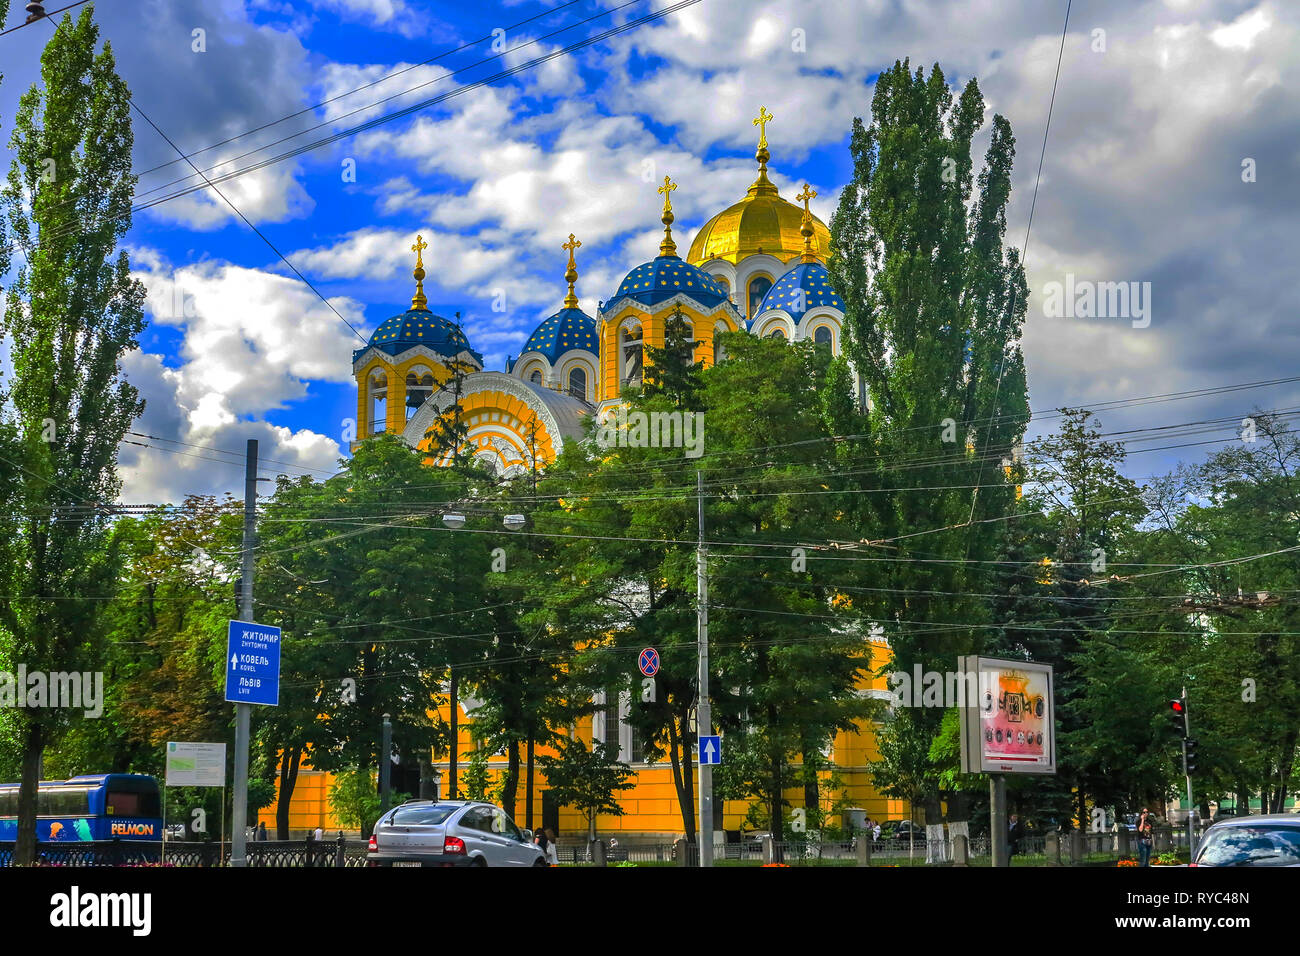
point(451, 833)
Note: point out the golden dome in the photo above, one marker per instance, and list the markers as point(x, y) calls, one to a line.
point(761, 222)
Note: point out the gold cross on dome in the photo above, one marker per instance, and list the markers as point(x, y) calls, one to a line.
point(807, 194)
point(572, 244)
point(764, 117)
point(666, 190)
point(418, 249)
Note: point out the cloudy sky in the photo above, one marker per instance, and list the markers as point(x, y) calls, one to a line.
point(1160, 104)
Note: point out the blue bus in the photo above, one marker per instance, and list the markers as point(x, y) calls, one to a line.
point(102, 806)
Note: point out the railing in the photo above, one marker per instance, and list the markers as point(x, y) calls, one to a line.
point(275, 853)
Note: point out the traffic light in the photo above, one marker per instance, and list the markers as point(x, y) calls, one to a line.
point(1189, 756)
point(1178, 716)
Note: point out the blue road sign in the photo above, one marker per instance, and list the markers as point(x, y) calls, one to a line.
point(710, 750)
point(649, 662)
point(253, 664)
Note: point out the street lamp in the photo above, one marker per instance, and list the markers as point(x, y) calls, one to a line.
point(453, 521)
point(515, 522)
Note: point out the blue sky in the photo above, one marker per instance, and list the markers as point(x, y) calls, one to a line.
point(1142, 181)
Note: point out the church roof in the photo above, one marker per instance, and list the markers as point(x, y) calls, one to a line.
point(565, 330)
point(660, 279)
point(419, 327)
point(803, 288)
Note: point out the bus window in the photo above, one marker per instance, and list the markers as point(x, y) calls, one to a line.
point(121, 803)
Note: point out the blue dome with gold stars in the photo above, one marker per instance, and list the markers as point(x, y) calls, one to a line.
point(659, 279)
point(565, 330)
point(420, 327)
point(805, 287)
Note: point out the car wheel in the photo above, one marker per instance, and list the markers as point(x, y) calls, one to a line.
point(480, 861)
point(541, 862)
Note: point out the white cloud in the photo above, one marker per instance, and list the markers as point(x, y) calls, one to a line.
point(253, 341)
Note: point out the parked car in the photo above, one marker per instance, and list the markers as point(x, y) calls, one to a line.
point(901, 832)
point(1271, 840)
point(451, 833)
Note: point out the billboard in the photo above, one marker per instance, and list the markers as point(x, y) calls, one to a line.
point(1010, 726)
point(196, 765)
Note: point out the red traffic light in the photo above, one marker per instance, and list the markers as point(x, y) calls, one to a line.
point(1177, 707)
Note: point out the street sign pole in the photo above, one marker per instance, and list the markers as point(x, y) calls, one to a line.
point(703, 717)
point(243, 712)
point(998, 835)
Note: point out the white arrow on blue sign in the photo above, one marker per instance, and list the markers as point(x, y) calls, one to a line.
point(253, 664)
point(711, 750)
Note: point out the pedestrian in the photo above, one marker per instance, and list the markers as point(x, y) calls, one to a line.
point(1145, 836)
point(319, 834)
point(875, 832)
point(542, 841)
point(1015, 833)
point(552, 854)
point(261, 833)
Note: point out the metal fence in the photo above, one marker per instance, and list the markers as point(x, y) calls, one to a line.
point(275, 853)
point(1069, 848)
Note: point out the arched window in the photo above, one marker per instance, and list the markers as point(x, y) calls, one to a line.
point(378, 402)
point(776, 333)
point(822, 336)
point(419, 386)
point(536, 377)
point(758, 287)
point(578, 383)
point(631, 357)
point(723, 284)
point(719, 350)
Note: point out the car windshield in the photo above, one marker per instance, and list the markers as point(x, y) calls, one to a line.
point(1274, 844)
point(423, 815)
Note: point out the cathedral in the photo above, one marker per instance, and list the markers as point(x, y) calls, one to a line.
point(759, 266)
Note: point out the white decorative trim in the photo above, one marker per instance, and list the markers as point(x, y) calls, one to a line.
point(394, 360)
point(605, 315)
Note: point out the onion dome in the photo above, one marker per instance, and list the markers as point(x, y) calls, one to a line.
point(420, 327)
point(667, 275)
point(565, 330)
point(417, 325)
point(570, 328)
point(762, 222)
point(659, 279)
point(802, 289)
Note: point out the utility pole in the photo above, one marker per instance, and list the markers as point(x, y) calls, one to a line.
point(243, 712)
point(703, 717)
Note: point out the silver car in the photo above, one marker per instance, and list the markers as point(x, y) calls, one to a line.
point(1268, 840)
point(451, 833)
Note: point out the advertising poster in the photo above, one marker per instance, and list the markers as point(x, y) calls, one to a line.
point(1010, 726)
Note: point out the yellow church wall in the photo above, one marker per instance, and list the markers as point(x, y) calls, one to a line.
point(650, 806)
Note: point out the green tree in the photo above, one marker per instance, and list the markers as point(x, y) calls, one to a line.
point(587, 779)
point(934, 304)
point(71, 313)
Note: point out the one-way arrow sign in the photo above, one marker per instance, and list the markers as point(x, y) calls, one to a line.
point(711, 750)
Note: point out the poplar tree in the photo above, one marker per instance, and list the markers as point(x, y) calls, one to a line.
point(71, 314)
point(934, 304)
